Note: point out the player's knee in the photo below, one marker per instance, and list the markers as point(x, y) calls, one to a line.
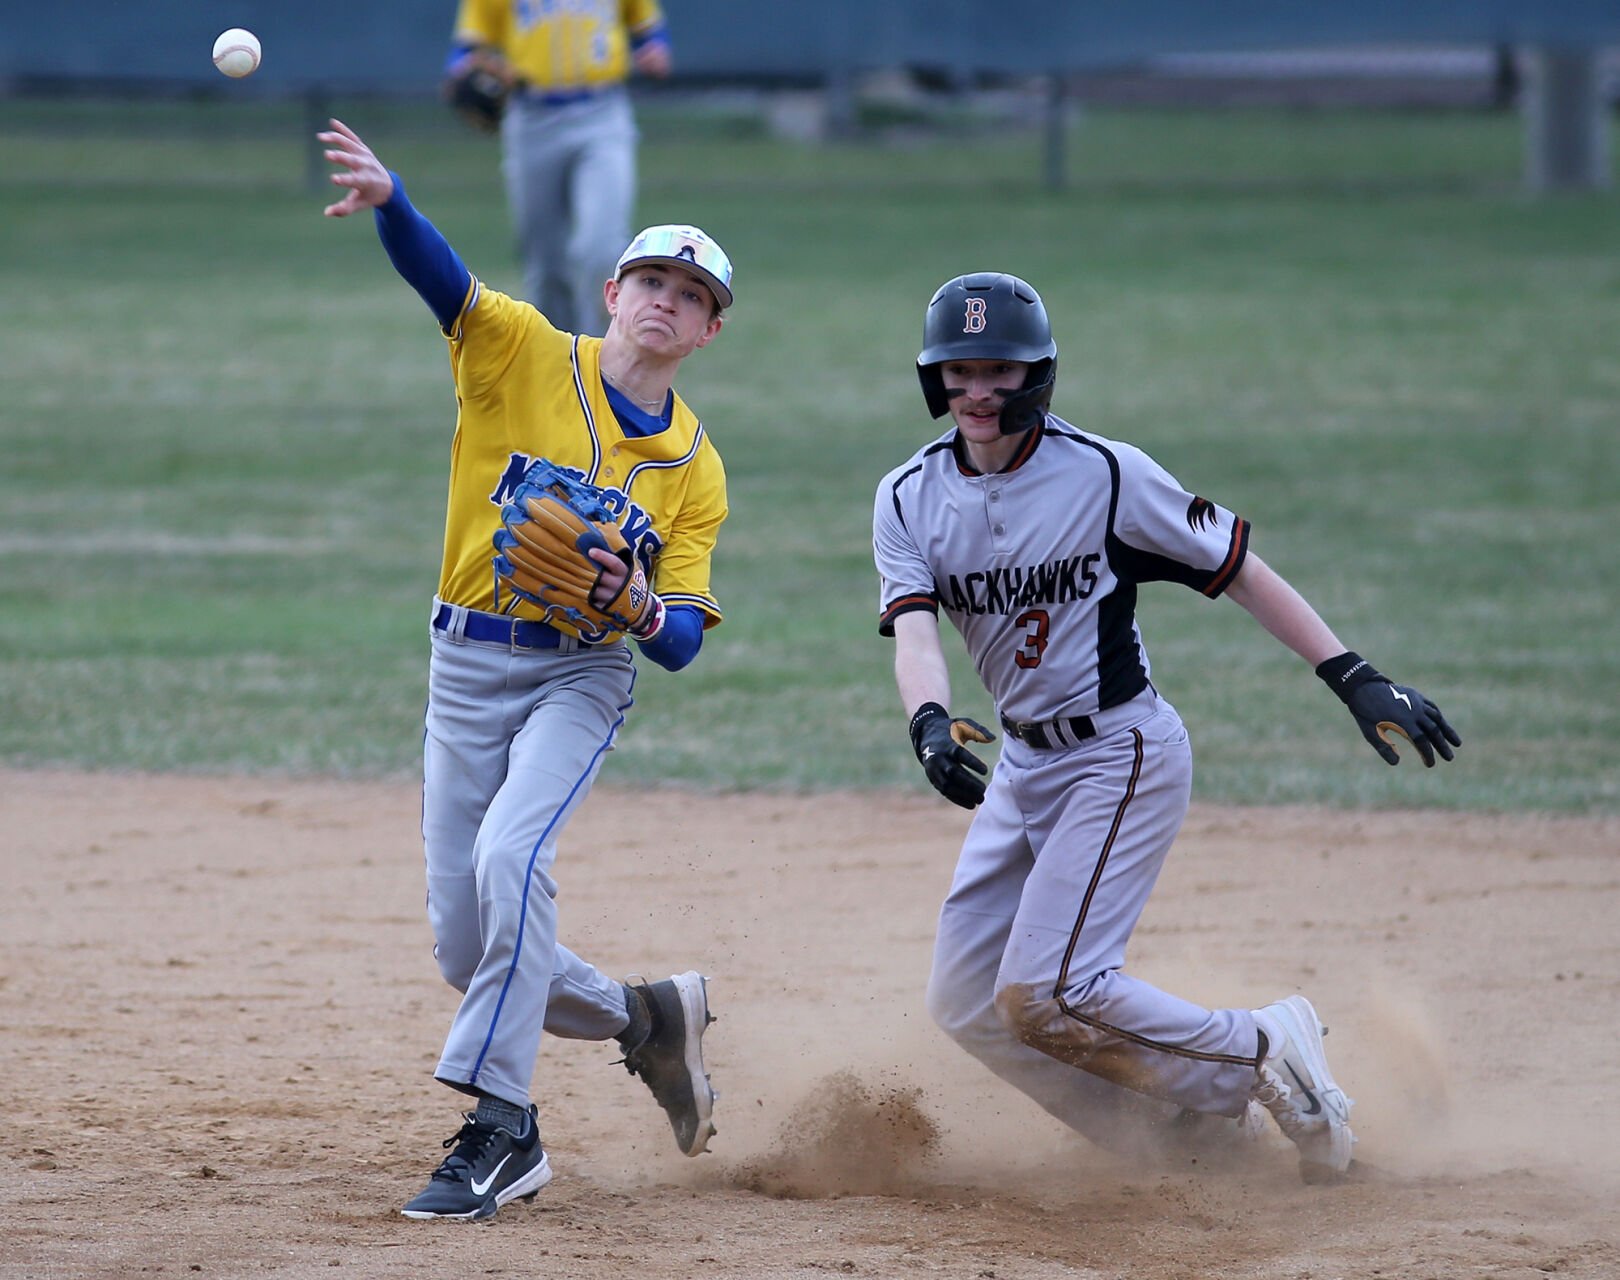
point(1032, 1015)
point(951, 1009)
point(1021, 1009)
point(457, 964)
point(943, 1006)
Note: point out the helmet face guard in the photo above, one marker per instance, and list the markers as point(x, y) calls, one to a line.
point(990, 316)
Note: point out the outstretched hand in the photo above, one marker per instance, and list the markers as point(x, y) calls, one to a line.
point(1382, 707)
point(368, 183)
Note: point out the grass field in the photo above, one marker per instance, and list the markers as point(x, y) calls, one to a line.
point(1353, 329)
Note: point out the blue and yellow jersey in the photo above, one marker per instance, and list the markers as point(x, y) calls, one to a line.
point(562, 45)
point(525, 391)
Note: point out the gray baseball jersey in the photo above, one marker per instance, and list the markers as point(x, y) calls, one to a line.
point(1037, 566)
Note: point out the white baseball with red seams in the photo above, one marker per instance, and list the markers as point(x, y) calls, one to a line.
point(237, 53)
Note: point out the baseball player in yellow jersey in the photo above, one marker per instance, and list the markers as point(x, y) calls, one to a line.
point(568, 135)
point(520, 711)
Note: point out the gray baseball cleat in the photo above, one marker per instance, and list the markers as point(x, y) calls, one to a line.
point(1294, 1084)
point(669, 1059)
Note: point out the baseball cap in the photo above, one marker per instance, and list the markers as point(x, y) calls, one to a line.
point(677, 245)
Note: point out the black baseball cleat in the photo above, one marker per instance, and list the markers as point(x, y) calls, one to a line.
point(489, 1167)
point(670, 1059)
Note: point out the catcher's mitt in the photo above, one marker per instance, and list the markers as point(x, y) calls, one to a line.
point(477, 88)
point(551, 522)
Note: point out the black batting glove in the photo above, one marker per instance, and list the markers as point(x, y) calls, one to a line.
point(1381, 706)
point(940, 744)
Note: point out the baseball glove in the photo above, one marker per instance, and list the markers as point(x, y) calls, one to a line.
point(552, 521)
point(477, 88)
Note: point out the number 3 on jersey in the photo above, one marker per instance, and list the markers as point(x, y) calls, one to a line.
point(1039, 622)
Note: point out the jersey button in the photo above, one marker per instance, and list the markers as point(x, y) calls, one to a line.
point(994, 529)
point(613, 452)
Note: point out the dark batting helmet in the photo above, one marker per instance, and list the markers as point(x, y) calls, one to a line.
point(990, 316)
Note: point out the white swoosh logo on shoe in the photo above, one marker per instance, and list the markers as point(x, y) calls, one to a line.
point(482, 1188)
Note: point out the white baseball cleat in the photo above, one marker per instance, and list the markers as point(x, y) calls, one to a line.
point(1295, 1085)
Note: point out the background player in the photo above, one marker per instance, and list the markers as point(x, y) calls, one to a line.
point(1032, 536)
point(568, 136)
point(520, 713)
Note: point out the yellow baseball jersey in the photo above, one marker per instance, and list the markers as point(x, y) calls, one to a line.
point(582, 44)
point(525, 391)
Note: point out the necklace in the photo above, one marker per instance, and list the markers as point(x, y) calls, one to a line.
point(655, 405)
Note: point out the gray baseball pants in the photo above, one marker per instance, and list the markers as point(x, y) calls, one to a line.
point(1029, 959)
point(514, 740)
point(571, 183)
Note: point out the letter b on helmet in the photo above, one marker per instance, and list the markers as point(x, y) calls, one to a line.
point(990, 316)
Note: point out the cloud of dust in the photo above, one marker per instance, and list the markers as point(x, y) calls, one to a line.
point(847, 1138)
point(1427, 1107)
point(906, 1112)
point(929, 1117)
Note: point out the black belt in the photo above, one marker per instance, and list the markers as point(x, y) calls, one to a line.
point(1051, 733)
point(519, 633)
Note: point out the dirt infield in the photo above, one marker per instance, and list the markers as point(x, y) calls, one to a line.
point(220, 1017)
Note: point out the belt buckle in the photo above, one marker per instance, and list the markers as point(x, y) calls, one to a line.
point(514, 641)
point(542, 631)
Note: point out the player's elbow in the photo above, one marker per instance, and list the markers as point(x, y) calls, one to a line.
point(670, 661)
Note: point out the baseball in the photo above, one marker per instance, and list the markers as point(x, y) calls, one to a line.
point(236, 53)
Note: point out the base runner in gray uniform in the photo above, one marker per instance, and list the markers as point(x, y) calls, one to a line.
point(1032, 537)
